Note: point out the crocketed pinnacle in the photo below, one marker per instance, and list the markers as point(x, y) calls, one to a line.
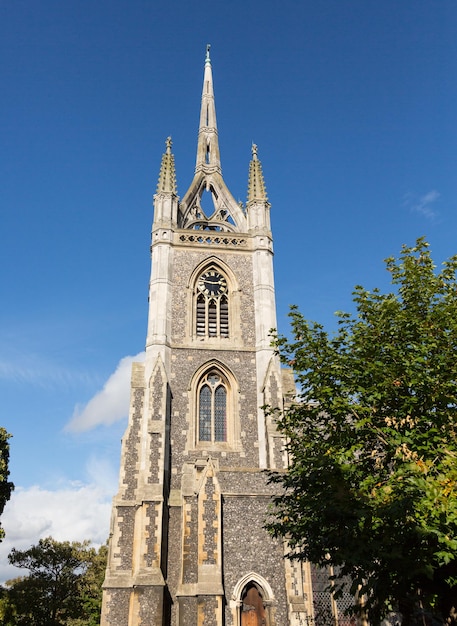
point(256, 184)
point(167, 176)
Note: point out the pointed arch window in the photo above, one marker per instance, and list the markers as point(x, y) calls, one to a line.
point(212, 408)
point(214, 398)
point(212, 305)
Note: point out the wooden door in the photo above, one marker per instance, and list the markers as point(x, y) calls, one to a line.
point(252, 610)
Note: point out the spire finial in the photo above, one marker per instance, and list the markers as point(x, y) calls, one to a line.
point(256, 184)
point(208, 47)
point(167, 176)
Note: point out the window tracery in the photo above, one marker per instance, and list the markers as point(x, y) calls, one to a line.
point(212, 305)
point(214, 418)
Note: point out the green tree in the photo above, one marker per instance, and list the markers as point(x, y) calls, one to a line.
point(7, 610)
point(372, 484)
point(91, 588)
point(63, 585)
point(6, 487)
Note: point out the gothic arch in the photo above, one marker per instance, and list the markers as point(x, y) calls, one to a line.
point(214, 316)
point(253, 599)
point(213, 183)
point(256, 578)
point(214, 411)
point(209, 210)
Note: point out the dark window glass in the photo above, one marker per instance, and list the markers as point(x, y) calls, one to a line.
point(220, 404)
point(205, 414)
point(223, 316)
point(201, 316)
point(212, 319)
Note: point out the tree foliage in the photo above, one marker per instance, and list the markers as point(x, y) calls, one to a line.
point(372, 483)
point(91, 589)
point(6, 487)
point(63, 586)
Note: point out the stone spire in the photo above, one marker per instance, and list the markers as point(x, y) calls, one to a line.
point(167, 176)
point(208, 157)
point(256, 183)
point(225, 214)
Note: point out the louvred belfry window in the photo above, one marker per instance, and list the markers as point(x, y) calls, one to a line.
point(212, 306)
point(212, 408)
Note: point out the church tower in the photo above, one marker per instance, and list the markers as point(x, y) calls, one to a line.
point(187, 544)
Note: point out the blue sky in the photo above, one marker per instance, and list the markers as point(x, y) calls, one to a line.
point(353, 106)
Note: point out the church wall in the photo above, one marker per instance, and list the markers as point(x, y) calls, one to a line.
point(237, 355)
point(185, 363)
point(186, 260)
point(116, 607)
point(249, 549)
point(245, 546)
point(174, 557)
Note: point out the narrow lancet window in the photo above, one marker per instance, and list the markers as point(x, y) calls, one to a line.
point(205, 414)
point(220, 418)
point(212, 409)
point(212, 318)
point(224, 320)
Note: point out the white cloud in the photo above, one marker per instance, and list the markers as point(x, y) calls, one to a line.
point(73, 512)
point(424, 205)
point(111, 403)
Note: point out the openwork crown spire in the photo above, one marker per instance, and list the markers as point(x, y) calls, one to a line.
point(256, 183)
point(167, 176)
point(208, 203)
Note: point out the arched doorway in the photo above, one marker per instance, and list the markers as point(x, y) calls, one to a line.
point(252, 606)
